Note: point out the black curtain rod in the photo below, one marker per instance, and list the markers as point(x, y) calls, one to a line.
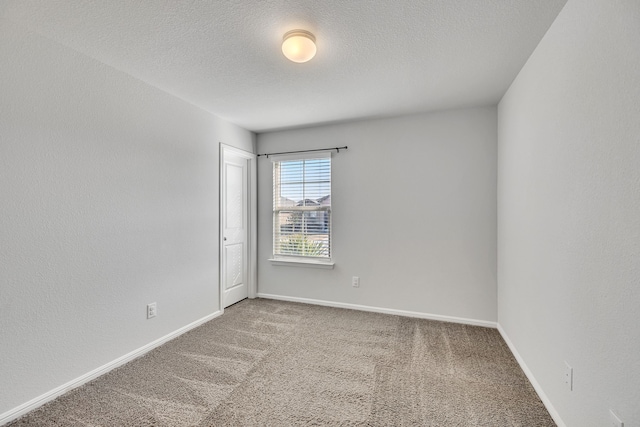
point(304, 151)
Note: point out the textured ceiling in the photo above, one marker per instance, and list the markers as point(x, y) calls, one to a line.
point(375, 58)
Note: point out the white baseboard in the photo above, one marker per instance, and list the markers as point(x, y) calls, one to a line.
point(475, 322)
point(29, 406)
point(543, 396)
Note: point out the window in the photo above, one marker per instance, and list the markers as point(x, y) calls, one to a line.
point(302, 207)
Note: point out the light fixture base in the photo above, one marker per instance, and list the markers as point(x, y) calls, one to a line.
point(301, 33)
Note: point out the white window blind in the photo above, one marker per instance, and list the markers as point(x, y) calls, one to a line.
point(302, 206)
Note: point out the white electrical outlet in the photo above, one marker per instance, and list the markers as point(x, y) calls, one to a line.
point(152, 310)
point(615, 421)
point(355, 281)
point(568, 376)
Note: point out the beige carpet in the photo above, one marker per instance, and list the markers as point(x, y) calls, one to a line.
point(271, 363)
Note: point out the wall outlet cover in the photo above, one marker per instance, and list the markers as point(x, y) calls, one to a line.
point(568, 376)
point(152, 310)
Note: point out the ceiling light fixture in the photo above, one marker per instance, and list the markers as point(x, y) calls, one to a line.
point(299, 45)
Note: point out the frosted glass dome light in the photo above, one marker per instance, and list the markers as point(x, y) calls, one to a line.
point(299, 45)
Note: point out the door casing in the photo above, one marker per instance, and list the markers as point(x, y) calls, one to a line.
point(252, 205)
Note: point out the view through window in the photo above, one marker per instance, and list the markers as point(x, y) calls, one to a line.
point(302, 207)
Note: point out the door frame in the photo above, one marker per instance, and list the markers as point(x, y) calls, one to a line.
point(252, 222)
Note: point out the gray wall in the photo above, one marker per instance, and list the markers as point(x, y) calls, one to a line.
point(414, 214)
point(569, 212)
point(108, 201)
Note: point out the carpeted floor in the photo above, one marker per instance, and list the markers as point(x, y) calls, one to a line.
point(272, 363)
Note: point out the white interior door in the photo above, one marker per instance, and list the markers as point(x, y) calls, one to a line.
point(234, 229)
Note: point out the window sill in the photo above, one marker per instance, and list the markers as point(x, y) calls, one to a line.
point(302, 263)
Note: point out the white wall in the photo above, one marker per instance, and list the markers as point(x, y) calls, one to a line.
point(108, 201)
point(414, 214)
point(569, 212)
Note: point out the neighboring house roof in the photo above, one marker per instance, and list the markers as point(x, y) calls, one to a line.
point(287, 202)
point(308, 202)
point(324, 200)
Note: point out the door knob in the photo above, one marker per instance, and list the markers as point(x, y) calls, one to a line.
point(224, 238)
